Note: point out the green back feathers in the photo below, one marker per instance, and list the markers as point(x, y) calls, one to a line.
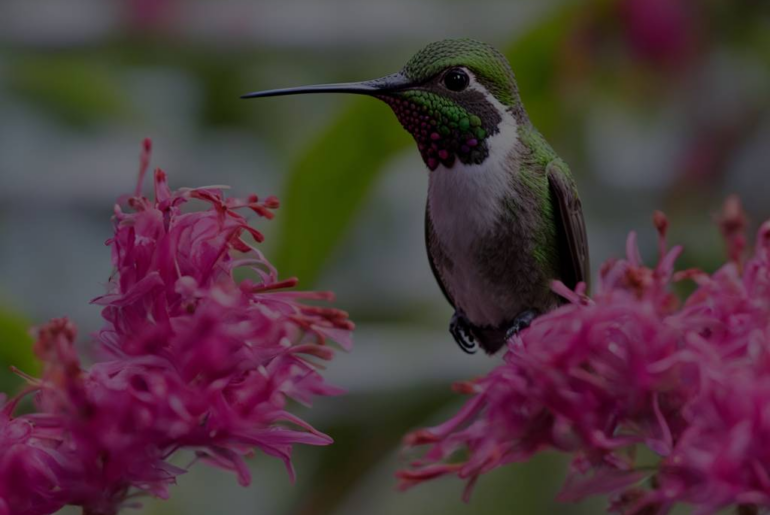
point(490, 66)
point(533, 175)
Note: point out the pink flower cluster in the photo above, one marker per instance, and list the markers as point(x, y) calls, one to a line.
point(633, 366)
point(193, 359)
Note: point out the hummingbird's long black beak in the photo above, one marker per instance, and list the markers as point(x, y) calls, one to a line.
point(387, 84)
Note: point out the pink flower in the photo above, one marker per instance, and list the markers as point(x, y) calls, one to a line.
point(192, 359)
point(29, 465)
point(664, 32)
point(631, 367)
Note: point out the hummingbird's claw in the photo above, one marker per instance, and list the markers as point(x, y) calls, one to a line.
point(460, 329)
point(521, 322)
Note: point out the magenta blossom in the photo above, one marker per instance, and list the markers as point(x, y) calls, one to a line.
point(192, 359)
point(630, 367)
point(29, 465)
point(663, 32)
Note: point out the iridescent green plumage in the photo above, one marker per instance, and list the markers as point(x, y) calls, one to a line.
point(443, 128)
point(487, 64)
point(462, 131)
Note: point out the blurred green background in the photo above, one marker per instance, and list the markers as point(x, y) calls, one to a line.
point(656, 104)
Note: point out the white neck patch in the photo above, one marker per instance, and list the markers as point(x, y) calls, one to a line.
point(465, 200)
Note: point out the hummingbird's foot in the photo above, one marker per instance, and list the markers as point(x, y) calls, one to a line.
point(461, 331)
point(521, 322)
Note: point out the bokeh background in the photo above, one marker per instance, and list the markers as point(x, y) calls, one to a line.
point(656, 104)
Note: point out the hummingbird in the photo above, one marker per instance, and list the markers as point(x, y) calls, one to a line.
point(503, 217)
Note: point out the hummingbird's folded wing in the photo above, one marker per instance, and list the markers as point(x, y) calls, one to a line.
point(568, 214)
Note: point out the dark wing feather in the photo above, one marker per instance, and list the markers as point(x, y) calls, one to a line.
point(431, 245)
point(571, 232)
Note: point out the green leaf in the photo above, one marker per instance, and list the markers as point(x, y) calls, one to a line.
point(80, 92)
point(15, 349)
point(329, 183)
point(534, 57)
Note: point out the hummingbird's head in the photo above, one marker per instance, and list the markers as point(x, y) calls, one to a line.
point(451, 96)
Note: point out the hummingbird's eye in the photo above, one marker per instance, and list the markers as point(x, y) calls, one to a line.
point(456, 80)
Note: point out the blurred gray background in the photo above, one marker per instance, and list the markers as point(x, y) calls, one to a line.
point(656, 104)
